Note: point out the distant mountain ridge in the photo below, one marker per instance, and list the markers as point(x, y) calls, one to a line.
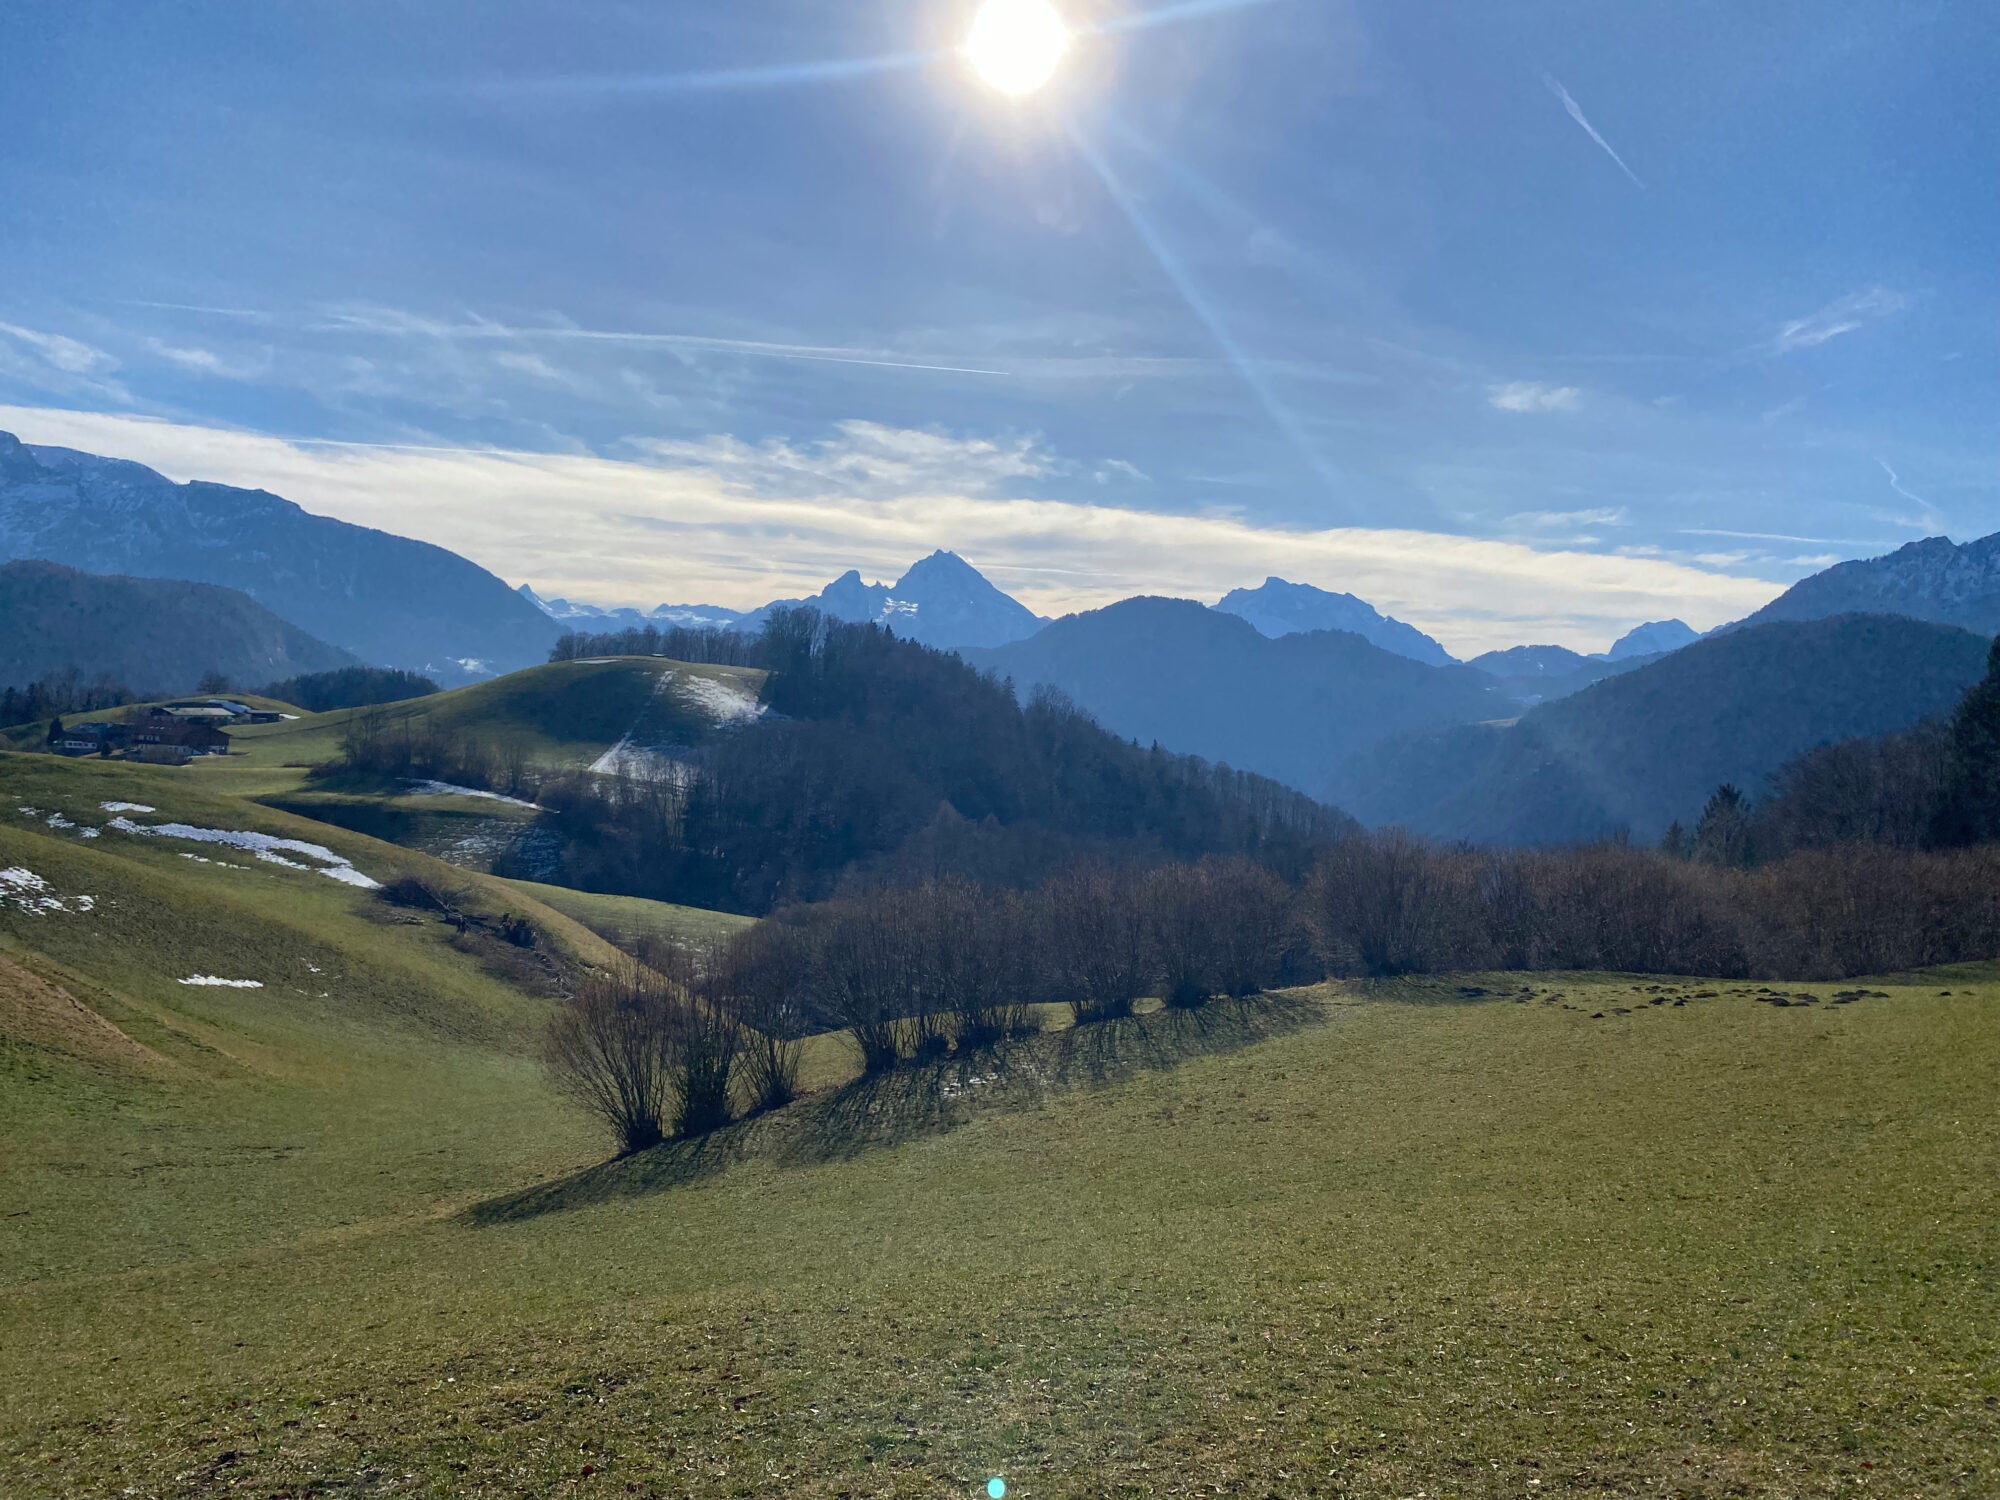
point(389, 600)
point(942, 601)
point(1934, 579)
point(1279, 608)
point(1207, 683)
point(1645, 747)
point(151, 634)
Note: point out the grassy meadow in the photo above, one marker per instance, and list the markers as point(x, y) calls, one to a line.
point(1500, 1235)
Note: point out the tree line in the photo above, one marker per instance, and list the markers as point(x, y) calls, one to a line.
point(723, 648)
point(61, 694)
point(414, 747)
point(1933, 786)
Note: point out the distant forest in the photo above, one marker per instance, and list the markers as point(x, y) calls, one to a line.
point(349, 687)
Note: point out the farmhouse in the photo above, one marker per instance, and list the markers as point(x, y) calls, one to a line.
point(191, 738)
point(86, 739)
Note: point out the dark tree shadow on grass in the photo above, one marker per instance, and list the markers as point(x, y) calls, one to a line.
point(885, 1109)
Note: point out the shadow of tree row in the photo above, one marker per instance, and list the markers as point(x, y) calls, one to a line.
point(886, 1109)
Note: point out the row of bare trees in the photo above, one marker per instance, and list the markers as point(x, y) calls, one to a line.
point(1390, 904)
point(676, 1043)
point(379, 742)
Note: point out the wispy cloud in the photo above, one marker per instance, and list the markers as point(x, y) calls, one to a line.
point(60, 352)
point(741, 523)
point(1532, 395)
point(1842, 315)
point(59, 365)
point(1550, 519)
point(1576, 113)
point(198, 360)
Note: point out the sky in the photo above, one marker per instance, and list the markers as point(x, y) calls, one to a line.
point(1525, 322)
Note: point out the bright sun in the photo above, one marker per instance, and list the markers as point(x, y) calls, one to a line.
point(1016, 44)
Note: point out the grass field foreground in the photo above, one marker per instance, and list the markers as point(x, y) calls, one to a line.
point(1506, 1236)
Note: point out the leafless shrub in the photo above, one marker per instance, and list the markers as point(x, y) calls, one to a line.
point(1388, 903)
point(611, 1049)
point(1092, 940)
point(762, 980)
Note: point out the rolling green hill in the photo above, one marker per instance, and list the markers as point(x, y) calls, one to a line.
point(564, 715)
point(149, 633)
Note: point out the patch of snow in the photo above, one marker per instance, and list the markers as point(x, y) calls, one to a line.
point(264, 845)
point(202, 859)
point(29, 812)
point(723, 701)
point(447, 789)
point(210, 981)
point(282, 716)
point(115, 807)
point(57, 820)
point(628, 759)
point(26, 891)
point(91, 833)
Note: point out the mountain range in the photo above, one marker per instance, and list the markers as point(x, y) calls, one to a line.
point(1646, 747)
point(1313, 687)
point(1194, 679)
point(151, 634)
point(388, 600)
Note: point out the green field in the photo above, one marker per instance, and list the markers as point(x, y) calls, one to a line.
point(626, 919)
point(1478, 1237)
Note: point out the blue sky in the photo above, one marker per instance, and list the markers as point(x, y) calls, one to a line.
point(1525, 321)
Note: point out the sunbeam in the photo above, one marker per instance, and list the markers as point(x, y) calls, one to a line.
point(1200, 306)
point(1163, 15)
point(776, 75)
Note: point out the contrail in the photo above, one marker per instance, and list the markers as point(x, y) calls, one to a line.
point(1576, 114)
point(820, 353)
point(1198, 304)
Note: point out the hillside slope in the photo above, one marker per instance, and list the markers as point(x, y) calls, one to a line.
point(149, 633)
point(391, 601)
point(1644, 748)
point(1208, 683)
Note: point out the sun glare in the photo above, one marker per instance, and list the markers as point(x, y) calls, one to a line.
point(1016, 44)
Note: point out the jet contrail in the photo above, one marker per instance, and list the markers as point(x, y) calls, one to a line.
point(1576, 114)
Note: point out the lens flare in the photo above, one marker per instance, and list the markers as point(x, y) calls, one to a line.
point(1016, 44)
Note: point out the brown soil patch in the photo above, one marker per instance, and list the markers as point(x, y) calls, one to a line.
point(46, 1015)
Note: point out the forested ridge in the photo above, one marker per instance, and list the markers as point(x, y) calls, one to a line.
point(880, 760)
